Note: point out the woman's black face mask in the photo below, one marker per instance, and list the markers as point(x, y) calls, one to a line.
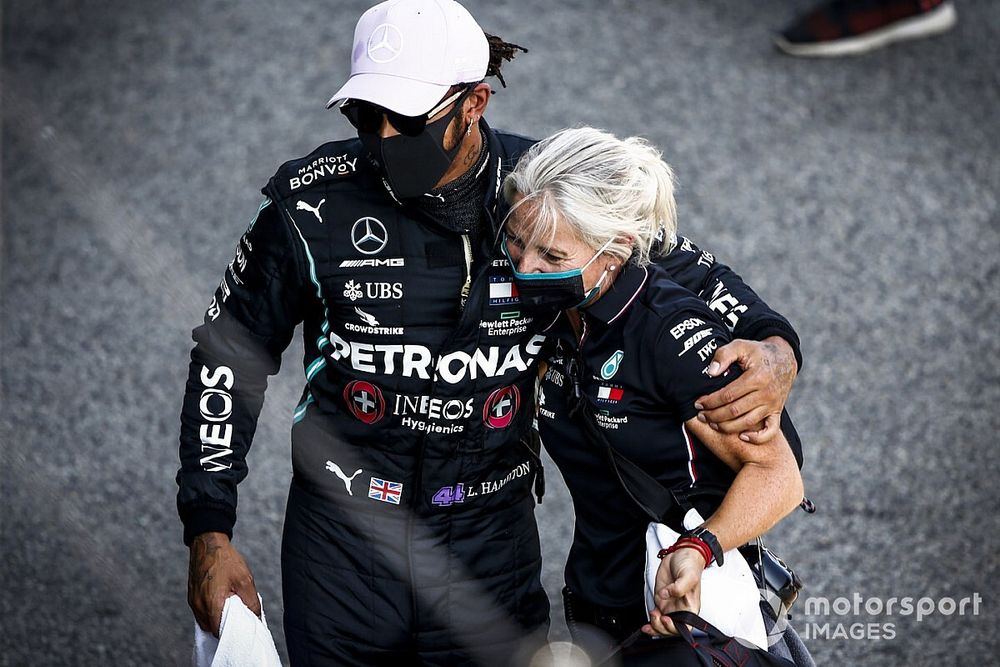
point(413, 164)
point(544, 294)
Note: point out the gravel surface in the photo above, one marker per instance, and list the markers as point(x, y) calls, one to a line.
point(859, 196)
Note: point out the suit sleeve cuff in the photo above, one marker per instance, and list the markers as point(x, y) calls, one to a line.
point(207, 520)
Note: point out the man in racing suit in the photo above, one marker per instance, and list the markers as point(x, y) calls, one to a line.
point(409, 534)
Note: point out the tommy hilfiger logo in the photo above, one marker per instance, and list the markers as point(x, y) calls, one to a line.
point(503, 291)
point(607, 394)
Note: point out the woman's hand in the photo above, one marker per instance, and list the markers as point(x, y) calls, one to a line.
point(678, 588)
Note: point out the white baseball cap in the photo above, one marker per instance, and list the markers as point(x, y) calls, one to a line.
point(408, 53)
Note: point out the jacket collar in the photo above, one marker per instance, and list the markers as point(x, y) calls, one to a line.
point(621, 295)
point(619, 298)
point(493, 165)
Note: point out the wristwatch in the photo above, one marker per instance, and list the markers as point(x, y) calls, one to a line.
point(706, 536)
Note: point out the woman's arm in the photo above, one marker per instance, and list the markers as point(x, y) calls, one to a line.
point(767, 487)
point(767, 348)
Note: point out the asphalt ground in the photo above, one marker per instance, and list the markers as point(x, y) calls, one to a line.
point(858, 196)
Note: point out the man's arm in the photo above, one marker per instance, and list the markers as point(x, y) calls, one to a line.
point(249, 322)
point(767, 349)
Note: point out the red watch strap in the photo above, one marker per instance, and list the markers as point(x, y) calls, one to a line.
point(689, 542)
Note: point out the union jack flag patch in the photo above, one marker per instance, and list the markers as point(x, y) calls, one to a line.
point(385, 492)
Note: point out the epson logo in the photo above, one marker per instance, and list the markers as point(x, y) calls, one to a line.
point(417, 360)
point(373, 263)
point(690, 323)
point(216, 406)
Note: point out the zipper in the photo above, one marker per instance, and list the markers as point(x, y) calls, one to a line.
point(467, 287)
point(575, 368)
point(418, 486)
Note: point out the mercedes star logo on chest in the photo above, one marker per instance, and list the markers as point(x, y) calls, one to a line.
point(369, 236)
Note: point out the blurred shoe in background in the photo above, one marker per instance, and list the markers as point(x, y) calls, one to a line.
point(852, 27)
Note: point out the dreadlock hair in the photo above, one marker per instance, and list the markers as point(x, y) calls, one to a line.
point(499, 52)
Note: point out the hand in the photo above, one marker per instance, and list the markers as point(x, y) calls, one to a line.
point(678, 588)
point(215, 572)
point(751, 404)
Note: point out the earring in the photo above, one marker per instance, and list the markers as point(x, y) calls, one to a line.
point(613, 267)
point(468, 130)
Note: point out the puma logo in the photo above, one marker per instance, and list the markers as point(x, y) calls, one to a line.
point(335, 469)
point(303, 206)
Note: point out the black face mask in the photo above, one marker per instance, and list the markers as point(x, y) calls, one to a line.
point(412, 166)
point(545, 294)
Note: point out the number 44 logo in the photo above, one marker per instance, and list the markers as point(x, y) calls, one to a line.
point(449, 495)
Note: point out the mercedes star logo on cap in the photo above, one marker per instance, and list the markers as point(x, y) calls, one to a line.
point(369, 236)
point(385, 43)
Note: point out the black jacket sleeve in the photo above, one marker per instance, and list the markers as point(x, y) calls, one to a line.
point(249, 322)
point(684, 346)
point(746, 314)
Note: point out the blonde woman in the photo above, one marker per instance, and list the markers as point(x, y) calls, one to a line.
point(630, 350)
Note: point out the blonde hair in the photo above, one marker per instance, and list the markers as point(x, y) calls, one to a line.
point(607, 189)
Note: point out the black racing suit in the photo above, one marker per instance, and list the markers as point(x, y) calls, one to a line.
point(409, 533)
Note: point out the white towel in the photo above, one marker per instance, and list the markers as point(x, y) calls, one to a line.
point(244, 640)
point(730, 599)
